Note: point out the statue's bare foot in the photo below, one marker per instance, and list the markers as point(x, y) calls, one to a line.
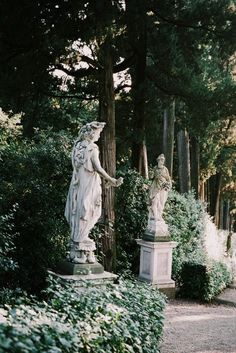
point(80, 260)
point(91, 258)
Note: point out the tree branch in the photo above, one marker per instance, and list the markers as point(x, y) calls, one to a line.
point(183, 24)
point(70, 96)
point(165, 90)
point(119, 88)
point(124, 64)
point(89, 61)
point(80, 73)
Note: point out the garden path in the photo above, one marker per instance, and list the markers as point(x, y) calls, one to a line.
point(191, 327)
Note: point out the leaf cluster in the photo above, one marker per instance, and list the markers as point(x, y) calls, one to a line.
point(184, 216)
point(131, 219)
point(34, 177)
point(127, 317)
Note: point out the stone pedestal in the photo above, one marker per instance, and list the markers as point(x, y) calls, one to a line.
point(77, 281)
point(69, 268)
point(156, 264)
point(76, 274)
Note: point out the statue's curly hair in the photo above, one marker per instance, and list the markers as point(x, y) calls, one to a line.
point(88, 130)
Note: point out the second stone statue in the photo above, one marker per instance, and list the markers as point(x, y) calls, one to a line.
point(157, 229)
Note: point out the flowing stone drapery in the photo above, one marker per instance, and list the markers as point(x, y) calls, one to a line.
point(83, 206)
point(158, 193)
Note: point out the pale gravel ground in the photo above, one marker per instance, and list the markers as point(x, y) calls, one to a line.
point(197, 328)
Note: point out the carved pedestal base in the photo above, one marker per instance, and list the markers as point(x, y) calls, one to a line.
point(69, 268)
point(157, 230)
point(156, 237)
point(77, 281)
point(76, 274)
point(156, 264)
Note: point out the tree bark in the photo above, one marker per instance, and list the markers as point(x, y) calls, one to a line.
point(168, 135)
point(221, 221)
point(214, 196)
point(226, 215)
point(202, 191)
point(195, 165)
point(137, 31)
point(108, 151)
point(184, 161)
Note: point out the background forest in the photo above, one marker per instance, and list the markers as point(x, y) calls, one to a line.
point(161, 74)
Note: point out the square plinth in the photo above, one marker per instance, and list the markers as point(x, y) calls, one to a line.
point(69, 268)
point(156, 262)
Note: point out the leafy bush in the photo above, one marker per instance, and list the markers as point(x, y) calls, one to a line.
point(131, 220)
point(184, 216)
point(204, 281)
point(117, 318)
point(35, 176)
point(7, 264)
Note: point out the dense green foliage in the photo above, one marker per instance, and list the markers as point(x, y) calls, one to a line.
point(185, 218)
point(34, 182)
point(204, 281)
point(131, 220)
point(183, 213)
point(59, 61)
point(7, 264)
point(116, 318)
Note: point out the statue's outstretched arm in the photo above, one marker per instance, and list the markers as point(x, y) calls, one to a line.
point(97, 166)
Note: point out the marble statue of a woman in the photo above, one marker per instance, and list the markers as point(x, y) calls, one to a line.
point(83, 206)
point(158, 193)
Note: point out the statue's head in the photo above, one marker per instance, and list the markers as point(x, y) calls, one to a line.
point(161, 159)
point(91, 131)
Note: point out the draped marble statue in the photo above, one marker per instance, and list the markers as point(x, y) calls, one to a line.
point(83, 206)
point(158, 192)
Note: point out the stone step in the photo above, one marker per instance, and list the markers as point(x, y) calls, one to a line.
point(96, 279)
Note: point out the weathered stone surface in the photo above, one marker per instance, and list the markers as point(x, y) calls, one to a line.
point(96, 279)
point(158, 194)
point(70, 268)
point(83, 205)
point(156, 264)
point(154, 237)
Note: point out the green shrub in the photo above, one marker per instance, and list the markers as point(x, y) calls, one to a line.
point(35, 176)
point(131, 220)
point(184, 216)
point(117, 318)
point(7, 264)
point(204, 281)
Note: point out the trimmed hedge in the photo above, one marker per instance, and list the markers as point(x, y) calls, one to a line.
point(116, 318)
point(185, 218)
point(204, 281)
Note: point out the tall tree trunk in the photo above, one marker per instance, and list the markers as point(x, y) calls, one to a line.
point(226, 215)
point(215, 188)
point(168, 134)
point(221, 221)
point(202, 191)
point(143, 161)
point(184, 161)
point(195, 165)
point(137, 32)
point(108, 151)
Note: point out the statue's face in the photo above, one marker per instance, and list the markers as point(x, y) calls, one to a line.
point(96, 135)
point(160, 161)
